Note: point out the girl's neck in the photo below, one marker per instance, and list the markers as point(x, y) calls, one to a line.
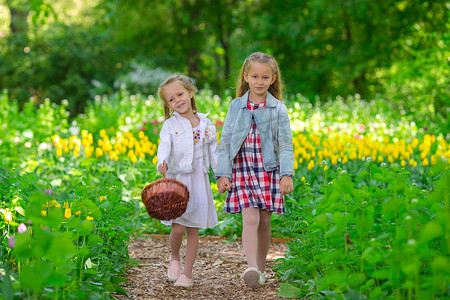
point(257, 98)
point(195, 121)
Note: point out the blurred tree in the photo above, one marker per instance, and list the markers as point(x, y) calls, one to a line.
point(329, 47)
point(325, 48)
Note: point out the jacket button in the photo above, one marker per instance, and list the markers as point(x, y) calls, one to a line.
point(176, 132)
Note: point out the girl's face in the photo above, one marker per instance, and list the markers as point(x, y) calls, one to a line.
point(178, 98)
point(259, 78)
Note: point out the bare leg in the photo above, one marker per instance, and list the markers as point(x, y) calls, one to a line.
point(191, 250)
point(250, 220)
point(264, 237)
point(175, 239)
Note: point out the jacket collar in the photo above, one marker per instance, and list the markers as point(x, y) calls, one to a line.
point(201, 116)
point(270, 100)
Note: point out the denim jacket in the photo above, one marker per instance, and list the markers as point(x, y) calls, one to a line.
point(176, 146)
point(274, 130)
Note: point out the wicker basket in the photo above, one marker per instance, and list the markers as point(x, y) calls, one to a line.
point(165, 199)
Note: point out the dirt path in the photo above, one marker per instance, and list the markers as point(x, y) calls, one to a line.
point(217, 271)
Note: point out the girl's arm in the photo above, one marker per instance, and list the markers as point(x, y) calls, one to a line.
point(165, 145)
point(213, 146)
point(285, 146)
point(224, 164)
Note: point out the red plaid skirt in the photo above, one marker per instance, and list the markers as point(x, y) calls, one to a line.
point(252, 186)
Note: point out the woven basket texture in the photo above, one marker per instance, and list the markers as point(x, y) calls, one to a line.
point(165, 199)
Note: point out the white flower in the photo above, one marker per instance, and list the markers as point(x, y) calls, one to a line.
point(210, 134)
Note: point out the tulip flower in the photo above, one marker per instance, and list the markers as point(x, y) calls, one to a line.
point(8, 216)
point(12, 241)
point(22, 228)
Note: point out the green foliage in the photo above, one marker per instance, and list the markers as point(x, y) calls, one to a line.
point(418, 81)
point(354, 223)
point(382, 239)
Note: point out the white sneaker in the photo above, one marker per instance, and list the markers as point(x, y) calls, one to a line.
point(262, 278)
point(252, 277)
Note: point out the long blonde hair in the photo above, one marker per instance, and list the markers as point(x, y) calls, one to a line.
point(276, 88)
point(185, 82)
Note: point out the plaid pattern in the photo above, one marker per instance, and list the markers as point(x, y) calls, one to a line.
point(252, 186)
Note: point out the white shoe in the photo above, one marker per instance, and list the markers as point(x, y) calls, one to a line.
point(262, 278)
point(252, 277)
point(184, 281)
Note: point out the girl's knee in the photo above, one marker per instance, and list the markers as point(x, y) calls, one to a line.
point(177, 229)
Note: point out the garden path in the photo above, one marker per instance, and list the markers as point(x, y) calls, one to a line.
point(217, 271)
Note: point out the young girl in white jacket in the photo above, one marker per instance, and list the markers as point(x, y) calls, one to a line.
point(188, 147)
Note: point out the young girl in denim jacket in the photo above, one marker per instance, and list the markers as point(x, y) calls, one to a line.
point(188, 147)
point(256, 159)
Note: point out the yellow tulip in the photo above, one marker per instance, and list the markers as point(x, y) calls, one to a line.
point(303, 179)
point(425, 162)
point(8, 216)
point(310, 165)
point(433, 160)
point(98, 152)
point(67, 213)
point(390, 159)
point(402, 163)
point(43, 213)
point(345, 159)
point(89, 218)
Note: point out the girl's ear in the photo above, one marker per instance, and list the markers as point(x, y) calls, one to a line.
point(274, 77)
point(191, 94)
point(246, 77)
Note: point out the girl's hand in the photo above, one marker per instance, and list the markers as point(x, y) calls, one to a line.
point(286, 185)
point(162, 168)
point(223, 184)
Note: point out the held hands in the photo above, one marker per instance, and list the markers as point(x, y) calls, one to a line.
point(162, 168)
point(223, 184)
point(286, 185)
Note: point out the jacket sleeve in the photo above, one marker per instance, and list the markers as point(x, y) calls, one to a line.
point(286, 148)
point(224, 164)
point(213, 149)
point(165, 145)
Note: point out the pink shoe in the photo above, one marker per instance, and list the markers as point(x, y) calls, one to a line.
point(184, 281)
point(174, 270)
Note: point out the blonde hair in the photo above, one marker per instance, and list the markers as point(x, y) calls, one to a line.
point(276, 88)
point(185, 82)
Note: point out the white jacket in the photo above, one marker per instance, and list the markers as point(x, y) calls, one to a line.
point(176, 145)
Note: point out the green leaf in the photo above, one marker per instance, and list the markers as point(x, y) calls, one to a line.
point(34, 277)
point(86, 228)
point(94, 239)
point(288, 290)
point(7, 289)
point(354, 295)
point(335, 230)
point(72, 222)
point(356, 279)
point(431, 231)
